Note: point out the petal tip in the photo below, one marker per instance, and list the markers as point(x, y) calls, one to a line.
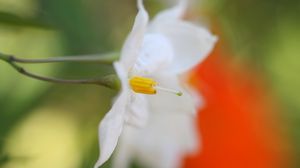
point(100, 161)
point(142, 9)
point(140, 4)
point(98, 164)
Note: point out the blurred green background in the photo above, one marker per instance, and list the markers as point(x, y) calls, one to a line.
point(50, 125)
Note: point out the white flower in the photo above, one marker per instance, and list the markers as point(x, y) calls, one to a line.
point(153, 57)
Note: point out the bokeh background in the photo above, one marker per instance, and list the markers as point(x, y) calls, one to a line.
point(252, 117)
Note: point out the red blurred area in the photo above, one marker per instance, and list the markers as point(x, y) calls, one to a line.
point(238, 124)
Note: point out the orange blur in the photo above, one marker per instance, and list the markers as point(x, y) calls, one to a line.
point(238, 124)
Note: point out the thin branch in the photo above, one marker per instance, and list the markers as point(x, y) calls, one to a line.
point(110, 81)
point(107, 58)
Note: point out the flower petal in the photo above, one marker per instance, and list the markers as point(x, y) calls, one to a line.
point(155, 56)
point(173, 13)
point(125, 151)
point(191, 43)
point(134, 40)
point(137, 114)
point(170, 103)
point(110, 128)
point(172, 119)
point(165, 139)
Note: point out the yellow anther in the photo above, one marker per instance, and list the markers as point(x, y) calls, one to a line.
point(148, 86)
point(143, 85)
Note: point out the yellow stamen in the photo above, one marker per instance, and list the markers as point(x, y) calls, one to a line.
point(143, 85)
point(148, 86)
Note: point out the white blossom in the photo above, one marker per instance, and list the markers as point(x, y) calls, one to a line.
point(157, 126)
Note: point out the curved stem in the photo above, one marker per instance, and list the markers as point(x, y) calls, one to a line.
point(110, 81)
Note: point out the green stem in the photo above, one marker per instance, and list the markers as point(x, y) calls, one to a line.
point(110, 81)
point(4, 57)
point(107, 58)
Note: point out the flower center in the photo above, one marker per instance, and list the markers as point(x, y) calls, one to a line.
point(148, 86)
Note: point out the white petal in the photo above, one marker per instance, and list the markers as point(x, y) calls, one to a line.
point(172, 119)
point(168, 102)
point(111, 125)
point(156, 55)
point(125, 151)
point(191, 43)
point(166, 139)
point(110, 129)
point(169, 134)
point(137, 114)
point(122, 157)
point(195, 94)
point(122, 74)
point(174, 13)
point(134, 40)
